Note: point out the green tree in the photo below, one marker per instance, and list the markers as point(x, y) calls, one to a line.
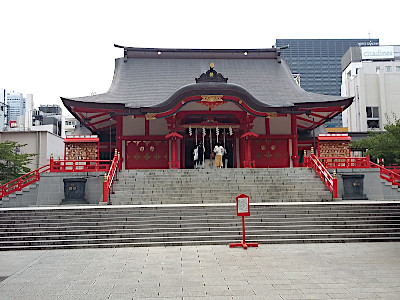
point(384, 145)
point(12, 163)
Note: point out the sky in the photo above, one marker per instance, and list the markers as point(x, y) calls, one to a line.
point(66, 48)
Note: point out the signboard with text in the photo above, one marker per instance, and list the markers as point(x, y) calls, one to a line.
point(381, 52)
point(242, 205)
point(243, 210)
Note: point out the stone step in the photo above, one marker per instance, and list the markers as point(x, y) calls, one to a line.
point(194, 225)
point(252, 226)
point(194, 233)
point(198, 240)
point(217, 186)
point(181, 219)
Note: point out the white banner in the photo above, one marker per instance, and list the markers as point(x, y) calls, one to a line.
point(382, 52)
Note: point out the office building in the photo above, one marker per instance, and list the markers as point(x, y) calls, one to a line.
point(49, 117)
point(16, 103)
point(318, 61)
point(3, 109)
point(70, 123)
point(372, 76)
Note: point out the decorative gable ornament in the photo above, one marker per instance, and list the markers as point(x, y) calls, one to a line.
point(212, 101)
point(211, 76)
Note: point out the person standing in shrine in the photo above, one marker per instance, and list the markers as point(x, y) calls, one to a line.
point(200, 154)
point(211, 162)
point(219, 152)
point(196, 157)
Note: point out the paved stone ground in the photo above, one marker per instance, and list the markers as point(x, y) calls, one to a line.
point(300, 271)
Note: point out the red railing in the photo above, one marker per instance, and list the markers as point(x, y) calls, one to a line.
point(324, 174)
point(84, 165)
point(388, 175)
point(394, 168)
point(345, 162)
point(109, 178)
point(55, 166)
point(360, 163)
point(19, 183)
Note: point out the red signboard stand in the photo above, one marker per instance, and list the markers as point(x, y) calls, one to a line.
point(242, 210)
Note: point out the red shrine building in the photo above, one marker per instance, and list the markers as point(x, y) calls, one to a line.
point(164, 102)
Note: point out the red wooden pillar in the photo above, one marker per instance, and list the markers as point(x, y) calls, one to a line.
point(118, 138)
point(248, 163)
point(174, 163)
point(295, 148)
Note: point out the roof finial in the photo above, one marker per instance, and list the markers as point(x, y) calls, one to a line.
point(212, 65)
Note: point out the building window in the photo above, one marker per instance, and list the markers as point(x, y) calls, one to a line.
point(397, 68)
point(372, 117)
point(388, 69)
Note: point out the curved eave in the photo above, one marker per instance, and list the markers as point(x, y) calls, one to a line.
point(74, 103)
point(94, 116)
point(237, 91)
point(198, 89)
point(100, 113)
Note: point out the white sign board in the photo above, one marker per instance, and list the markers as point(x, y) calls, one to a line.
point(381, 52)
point(243, 205)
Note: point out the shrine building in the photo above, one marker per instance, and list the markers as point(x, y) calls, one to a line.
point(163, 102)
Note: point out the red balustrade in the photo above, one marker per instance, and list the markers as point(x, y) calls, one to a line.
point(388, 175)
point(55, 166)
point(324, 174)
point(394, 168)
point(345, 162)
point(109, 178)
point(83, 165)
point(22, 181)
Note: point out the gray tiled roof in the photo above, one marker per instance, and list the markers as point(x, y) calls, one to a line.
point(147, 82)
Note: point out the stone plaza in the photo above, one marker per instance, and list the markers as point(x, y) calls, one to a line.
point(271, 271)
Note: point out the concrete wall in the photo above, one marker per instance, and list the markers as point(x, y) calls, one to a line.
point(42, 143)
point(51, 187)
point(55, 146)
point(375, 188)
point(50, 190)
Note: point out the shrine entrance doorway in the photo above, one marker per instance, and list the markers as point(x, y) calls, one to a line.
point(209, 139)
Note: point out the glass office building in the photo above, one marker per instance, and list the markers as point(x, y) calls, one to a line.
point(318, 61)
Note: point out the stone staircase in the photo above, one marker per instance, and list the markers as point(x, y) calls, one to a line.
point(164, 225)
point(218, 186)
point(24, 198)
